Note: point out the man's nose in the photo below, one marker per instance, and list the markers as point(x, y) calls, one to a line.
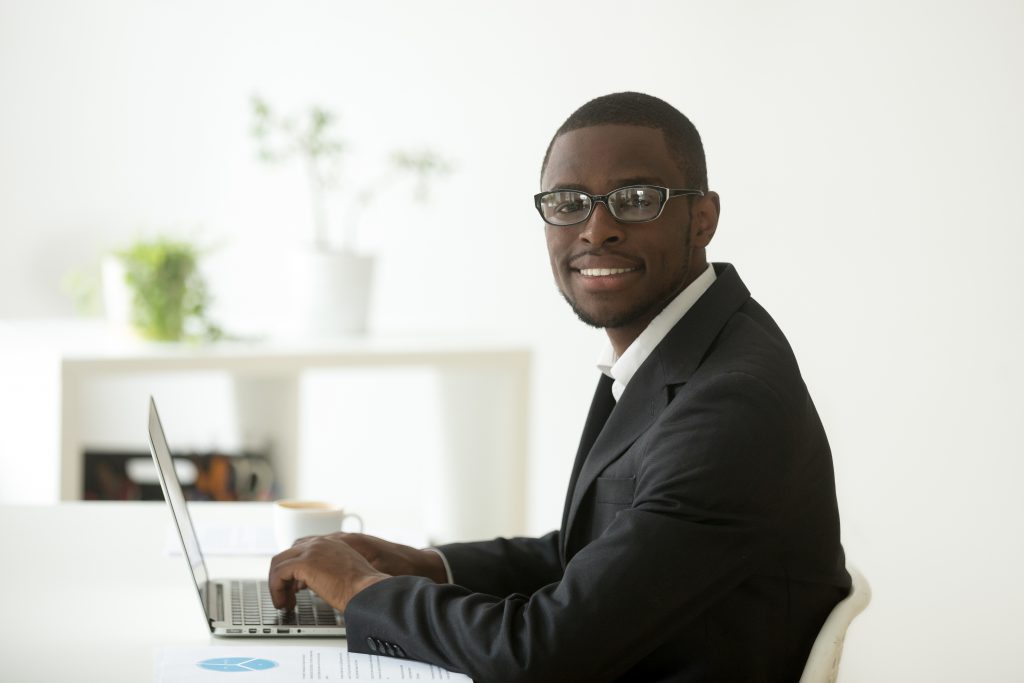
point(602, 227)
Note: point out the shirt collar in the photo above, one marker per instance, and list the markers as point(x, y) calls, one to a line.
point(621, 369)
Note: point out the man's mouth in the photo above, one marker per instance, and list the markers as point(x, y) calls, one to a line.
point(605, 272)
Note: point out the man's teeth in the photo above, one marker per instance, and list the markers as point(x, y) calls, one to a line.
point(600, 272)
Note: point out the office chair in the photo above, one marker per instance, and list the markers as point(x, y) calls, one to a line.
point(823, 662)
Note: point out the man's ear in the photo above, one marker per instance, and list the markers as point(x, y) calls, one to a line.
point(704, 221)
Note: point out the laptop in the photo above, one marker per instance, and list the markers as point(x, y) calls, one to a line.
point(235, 607)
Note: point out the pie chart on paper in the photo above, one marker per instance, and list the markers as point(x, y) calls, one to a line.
point(237, 664)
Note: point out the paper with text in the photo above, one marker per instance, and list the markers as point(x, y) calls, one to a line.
point(288, 664)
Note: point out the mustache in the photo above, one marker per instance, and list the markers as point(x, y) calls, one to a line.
point(602, 253)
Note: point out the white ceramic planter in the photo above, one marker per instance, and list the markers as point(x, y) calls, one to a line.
point(117, 297)
point(331, 293)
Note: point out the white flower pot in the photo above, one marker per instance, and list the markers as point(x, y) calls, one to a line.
point(331, 293)
point(117, 297)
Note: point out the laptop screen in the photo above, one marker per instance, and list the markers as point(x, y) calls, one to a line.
point(176, 499)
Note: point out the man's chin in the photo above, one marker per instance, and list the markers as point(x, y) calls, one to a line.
point(605, 319)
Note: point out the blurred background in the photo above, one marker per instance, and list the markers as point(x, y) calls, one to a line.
point(868, 157)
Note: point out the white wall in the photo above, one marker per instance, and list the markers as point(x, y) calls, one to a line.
point(869, 160)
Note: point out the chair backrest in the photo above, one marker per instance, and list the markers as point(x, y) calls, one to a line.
point(823, 662)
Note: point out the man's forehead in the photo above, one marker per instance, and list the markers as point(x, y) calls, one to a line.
point(610, 154)
point(612, 182)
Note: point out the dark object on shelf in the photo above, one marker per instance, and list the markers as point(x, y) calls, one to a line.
point(111, 475)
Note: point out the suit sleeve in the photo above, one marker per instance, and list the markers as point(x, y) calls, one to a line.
point(707, 494)
point(505, 565)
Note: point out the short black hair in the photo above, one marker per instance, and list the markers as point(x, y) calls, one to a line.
point(638, 109)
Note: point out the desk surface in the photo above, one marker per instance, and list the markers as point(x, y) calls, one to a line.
point(106, 562)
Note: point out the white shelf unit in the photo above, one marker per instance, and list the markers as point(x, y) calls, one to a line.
point(480, 398)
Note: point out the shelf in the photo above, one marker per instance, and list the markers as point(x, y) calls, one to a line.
point(92, 385)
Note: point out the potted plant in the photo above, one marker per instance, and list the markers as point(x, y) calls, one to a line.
point(332, 280)
point(156, 285)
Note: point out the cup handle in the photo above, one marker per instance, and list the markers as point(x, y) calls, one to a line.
point(352, 514)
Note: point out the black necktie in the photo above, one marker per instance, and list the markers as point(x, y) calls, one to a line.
point(600, 408)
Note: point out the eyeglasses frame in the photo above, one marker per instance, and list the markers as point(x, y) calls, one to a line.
point(595, 199)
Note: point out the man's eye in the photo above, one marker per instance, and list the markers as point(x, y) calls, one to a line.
point(569, 207)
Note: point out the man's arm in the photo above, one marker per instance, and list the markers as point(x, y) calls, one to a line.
point(498, 567)
point(505, 565)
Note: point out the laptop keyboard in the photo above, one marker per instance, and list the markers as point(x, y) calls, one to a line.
point(251, 605)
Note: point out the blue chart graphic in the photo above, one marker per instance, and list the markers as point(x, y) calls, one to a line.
point(237, 664)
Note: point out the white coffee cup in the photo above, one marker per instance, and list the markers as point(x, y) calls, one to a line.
point(295, 519)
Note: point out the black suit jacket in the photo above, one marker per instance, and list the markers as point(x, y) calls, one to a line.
point(699, 541)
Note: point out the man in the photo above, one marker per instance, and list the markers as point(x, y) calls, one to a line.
point(700, 536)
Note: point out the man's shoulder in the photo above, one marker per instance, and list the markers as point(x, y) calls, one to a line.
point(751, 344)
point(751, 330)
point(726, 332)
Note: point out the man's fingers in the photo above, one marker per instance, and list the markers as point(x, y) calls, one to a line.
point(283, 583)
point(327, 565)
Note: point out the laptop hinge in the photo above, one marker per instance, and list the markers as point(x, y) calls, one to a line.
point(213, 601)
point(220, 602)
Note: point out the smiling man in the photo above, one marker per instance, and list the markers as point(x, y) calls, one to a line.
point(615, 276)
point(700, 535)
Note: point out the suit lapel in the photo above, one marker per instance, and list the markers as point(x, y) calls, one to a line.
point(646, 396)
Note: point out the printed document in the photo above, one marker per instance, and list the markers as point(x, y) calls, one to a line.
point(288, 664)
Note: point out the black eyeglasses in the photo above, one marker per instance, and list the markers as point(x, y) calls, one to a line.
point(632, 204)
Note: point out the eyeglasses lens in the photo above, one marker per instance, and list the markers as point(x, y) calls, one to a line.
point(565, 207)
point(635, 203)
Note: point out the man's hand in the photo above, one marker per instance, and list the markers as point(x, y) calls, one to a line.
point(395, 559)
point(327, 565)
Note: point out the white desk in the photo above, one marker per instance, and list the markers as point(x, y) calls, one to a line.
point(107, 563)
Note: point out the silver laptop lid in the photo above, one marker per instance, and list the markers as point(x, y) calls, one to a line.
point(176, 501)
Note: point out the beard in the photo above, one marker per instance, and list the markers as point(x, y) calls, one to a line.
point(620, 319)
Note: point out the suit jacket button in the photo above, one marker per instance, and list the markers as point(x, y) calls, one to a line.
point(371, 643)
point(389, 649)
point(400, 652)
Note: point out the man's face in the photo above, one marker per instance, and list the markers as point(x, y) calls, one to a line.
point(649, 262)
